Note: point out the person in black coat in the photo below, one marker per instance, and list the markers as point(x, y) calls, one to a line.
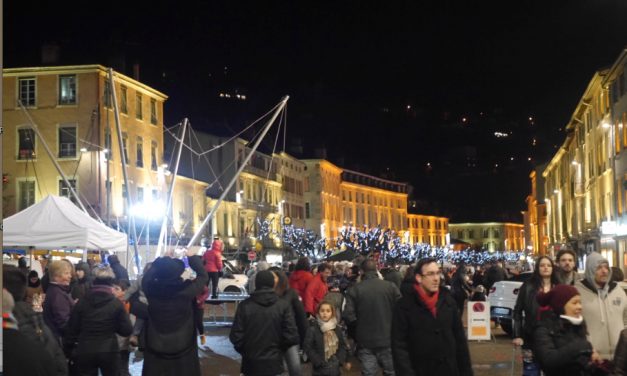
point(325, 344)
point(560, 344)
point(460, 287)
point(170, 333)
point(83, 280)
point(407, 284)
point(120, 272)
point(427, 333)
point(91, 331)
point(263, 328)
point(290, 295)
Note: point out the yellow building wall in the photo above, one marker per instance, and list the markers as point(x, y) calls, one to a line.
point(427, 229)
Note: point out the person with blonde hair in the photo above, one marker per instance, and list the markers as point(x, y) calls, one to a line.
point(58, 303)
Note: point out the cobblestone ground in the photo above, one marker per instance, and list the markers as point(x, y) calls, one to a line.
point(218, 358)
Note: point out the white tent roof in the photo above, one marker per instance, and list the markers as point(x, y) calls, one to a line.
point(54, 223)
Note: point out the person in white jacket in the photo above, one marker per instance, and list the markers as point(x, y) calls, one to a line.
point(604, 305)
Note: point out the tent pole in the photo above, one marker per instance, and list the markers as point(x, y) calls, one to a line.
point(54, 160)
point(131, 219)
point(163, 234)
point(239, 171)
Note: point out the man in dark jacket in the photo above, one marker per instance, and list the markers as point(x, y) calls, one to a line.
point(171, 347)
point(120, 272)
point(495, 273)
point(427, 333)
point(263, 329)
point(369, 307)
point(31, 324)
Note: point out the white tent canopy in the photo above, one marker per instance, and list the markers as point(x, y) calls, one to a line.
point(55, 223)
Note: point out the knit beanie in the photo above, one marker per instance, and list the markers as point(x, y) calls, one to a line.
point(167, 268)
point(557, 297)
point(264, 278)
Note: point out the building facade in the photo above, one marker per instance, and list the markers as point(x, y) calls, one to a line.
point(427, 229)
point(491, 236)
point(73, 110)
point(579, 179)
point(535, 216)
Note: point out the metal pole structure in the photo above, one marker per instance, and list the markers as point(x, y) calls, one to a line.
point(131, 219)
point(164, 224)
point(239, 171)
point(54, 160)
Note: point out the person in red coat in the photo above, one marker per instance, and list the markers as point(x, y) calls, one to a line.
point(212, 258)
point(301, 276)
point(317, 289)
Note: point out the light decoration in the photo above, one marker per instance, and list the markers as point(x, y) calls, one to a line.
point(385, 242)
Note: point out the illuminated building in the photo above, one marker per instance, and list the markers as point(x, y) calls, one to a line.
point(427, 229)
point(491, 236)
point(535, 216)
point(579, 179)
point(323, 204)
point(74, 113)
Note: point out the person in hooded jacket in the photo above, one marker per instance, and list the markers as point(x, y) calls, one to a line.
point(93, 325)
point(604, 305)
point(119, 271)
point(460, 287)
point(83, 281)
point(301, 276)
point(263, 329)
point(171, 347)
point(559, 339)
point(212, 258)
point(31, 323)
point(33, 288)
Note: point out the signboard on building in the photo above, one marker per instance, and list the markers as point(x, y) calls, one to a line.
point(478, 320)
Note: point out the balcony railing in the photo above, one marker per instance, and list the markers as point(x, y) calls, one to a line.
point(260, 172)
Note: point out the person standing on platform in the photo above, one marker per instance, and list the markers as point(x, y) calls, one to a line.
point(212, 258)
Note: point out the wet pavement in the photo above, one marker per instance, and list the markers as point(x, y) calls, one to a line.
point(218, 358)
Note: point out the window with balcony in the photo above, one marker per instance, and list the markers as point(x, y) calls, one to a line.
point(25, 193)
point(67, 89)
point(107, 93)
point(67, 142)
point(26, 91)
point(138, 107)
point(123, 100)
point(139, 155)
point(65, 191)
point(26, 143)
point(108, 150)
point(153, 156)
point(153, 111)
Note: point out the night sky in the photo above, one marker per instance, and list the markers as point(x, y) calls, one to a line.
point(412, 91)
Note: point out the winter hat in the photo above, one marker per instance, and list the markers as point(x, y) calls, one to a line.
point(557, 297)
point(167, 268)
point(264, 278)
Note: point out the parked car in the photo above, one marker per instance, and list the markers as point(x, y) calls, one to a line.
point(232, 280)
point(502, 297)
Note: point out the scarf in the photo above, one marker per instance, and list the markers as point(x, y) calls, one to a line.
point(9, 321)
point(430, 301)
point(573, 320)
point(330, 338)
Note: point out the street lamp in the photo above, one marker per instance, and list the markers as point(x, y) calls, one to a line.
point(148, 211)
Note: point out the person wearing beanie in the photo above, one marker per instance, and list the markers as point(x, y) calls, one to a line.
point(604, 305)
point(560, 344)
point(171, 346)
point(90, 340)
point(262, 265)
point(83, 281)
point(263, 328)
point(119, 270)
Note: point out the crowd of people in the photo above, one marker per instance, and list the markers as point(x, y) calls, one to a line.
point(86, 319)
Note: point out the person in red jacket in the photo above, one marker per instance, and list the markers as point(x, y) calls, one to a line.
point(212, 258)
point(317, 289)
point(301, 276)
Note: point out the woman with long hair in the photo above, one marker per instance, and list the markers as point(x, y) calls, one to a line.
point(543, 279)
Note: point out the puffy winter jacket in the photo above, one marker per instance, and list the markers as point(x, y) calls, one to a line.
point(212, 260)
point(314, 293)
point(314, 348)
point(263, 329)
point(299, 280)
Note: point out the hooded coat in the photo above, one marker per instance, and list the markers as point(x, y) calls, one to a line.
point(605, 309)
point(83, 285)
point(263, 329)
point(57, 308)
point(170, 333)
point(95, 321)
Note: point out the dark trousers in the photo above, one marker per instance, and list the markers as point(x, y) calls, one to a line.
point(108, 363)
point(214, 277)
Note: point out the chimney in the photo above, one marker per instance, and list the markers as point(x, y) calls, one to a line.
point(136, 71)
